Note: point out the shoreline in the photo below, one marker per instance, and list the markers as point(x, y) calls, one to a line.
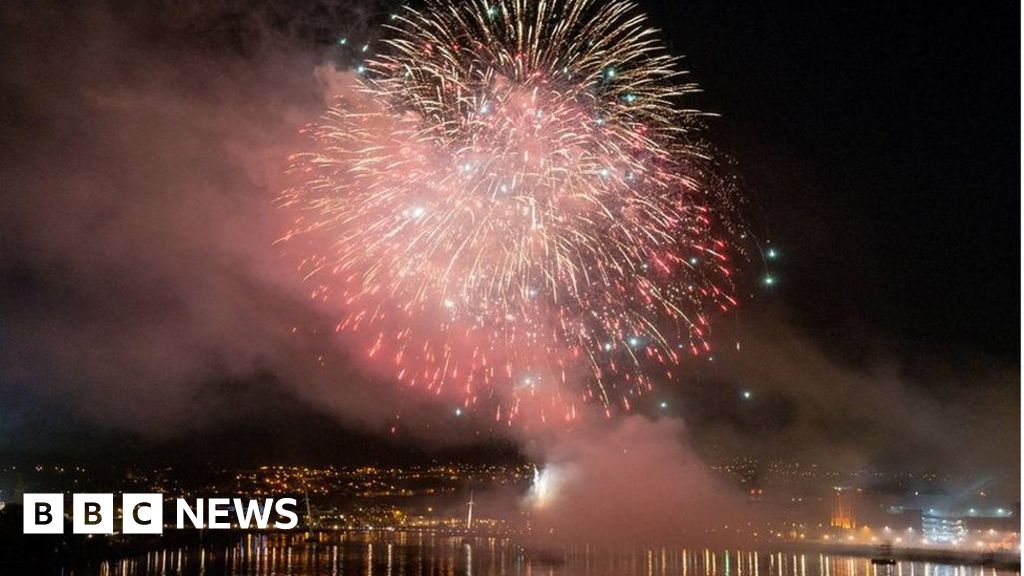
point(1003, 559)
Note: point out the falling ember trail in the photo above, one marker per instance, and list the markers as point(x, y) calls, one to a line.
point(515, 208)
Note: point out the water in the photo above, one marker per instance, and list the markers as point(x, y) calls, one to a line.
point(399, 554)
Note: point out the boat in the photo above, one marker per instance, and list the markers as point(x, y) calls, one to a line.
point(883, 555)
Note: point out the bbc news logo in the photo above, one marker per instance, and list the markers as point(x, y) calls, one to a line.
point(144, 513)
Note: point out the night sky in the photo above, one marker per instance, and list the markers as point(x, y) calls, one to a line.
point(882, 144)
point(878, 145)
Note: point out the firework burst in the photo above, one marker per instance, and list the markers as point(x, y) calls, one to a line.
point(515, 208)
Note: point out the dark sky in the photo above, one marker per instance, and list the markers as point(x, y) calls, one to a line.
point(878, 143)
point(882, 142)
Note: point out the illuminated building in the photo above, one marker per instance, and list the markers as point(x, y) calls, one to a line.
point(942, 529)
point(842, 515)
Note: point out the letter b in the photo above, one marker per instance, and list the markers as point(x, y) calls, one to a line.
point(43, 514)
point(93, 513)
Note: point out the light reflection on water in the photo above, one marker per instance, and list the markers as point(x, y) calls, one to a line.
point(399, 554)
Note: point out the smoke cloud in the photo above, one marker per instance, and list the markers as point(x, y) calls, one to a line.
point(634, 481)
point(142, 150)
